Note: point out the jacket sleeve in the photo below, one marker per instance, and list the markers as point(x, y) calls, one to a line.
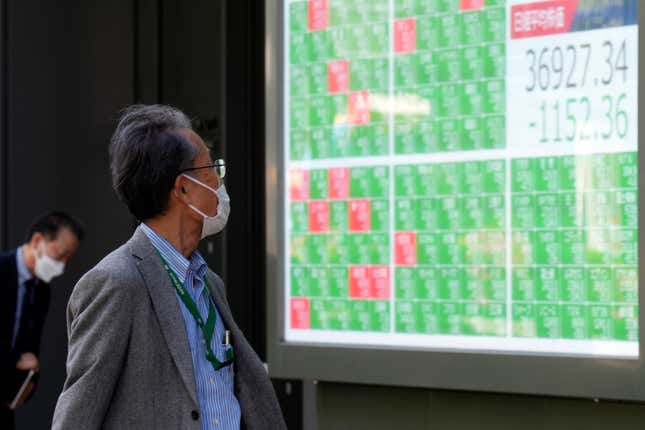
point(99, 321)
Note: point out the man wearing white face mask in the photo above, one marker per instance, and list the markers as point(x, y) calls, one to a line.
point(152, 342)
point(26, 272)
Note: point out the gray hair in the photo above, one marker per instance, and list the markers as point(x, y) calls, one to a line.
point(146, 154)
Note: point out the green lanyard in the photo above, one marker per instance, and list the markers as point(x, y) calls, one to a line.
point(208, 327)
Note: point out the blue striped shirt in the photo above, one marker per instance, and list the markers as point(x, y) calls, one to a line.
point(220, 408)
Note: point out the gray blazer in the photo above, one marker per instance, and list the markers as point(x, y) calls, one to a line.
point(129, 364)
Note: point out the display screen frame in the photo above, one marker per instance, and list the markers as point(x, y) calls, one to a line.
point(511, 372)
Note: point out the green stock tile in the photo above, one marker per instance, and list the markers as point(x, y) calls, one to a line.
point(338, 281)
point(405, 214)
point(338, 311)
point(406, 316)
point(627, 170)
point(360, 139)
point(360, 73)
point(340, 141)
point(471, 94)
point(427, 248)
point(472, 213)
point(450, 213)
point(380, 248)
point(299, 249)
point(428, 317)
point(574, 243)
point(338, 216)
point(523, 247)
point(318, 46)
point(472, 136)
point(625, 244)
point(548, 247)
point(427, 72)
point(450, 318)
point(549, 321)
point(317, 78)
point(523, 284)
point(494, 28)
point(473, 65)
point(360, 248)
point(574, 284)
point(449, 64)
point(405, 283)
point(300, 279)
point(626, 284)
point(380, 215)
point(494, 60)
point(298, 17)
point(572, 211)
point(494, 211)
point(320, 111)
point(451, 135)
point(318, 183)
point(450, 178)
point(547, 210)
point(380, 315)
point(450, 30)
point(320, 141)
point(319, 281)
point(299, 217)
point(427, 282)
point(380, 144)
point(524, 320)
point(626, 208)
point(405, 137)
point(450, 100)
point(626, 323)
point(547, 284)
point(299, 147)
point(298, 48)
point(600, 284)
point(523, 211)
point(472, 27)
point(494, 131)
point(299, 112)
point(575, 322)
point(494, 97)
point(600, 249)
point(427, 179)
point(298, 81)
point(427, 139)
point(451, 283)
point(405, 180)
point(427, 28)
point(406, 70)
point(472, 319)
point(547, 173)
point(601, 322)
point(317, 248)
point(427, 214)
point(360, 315)
point(378, 37)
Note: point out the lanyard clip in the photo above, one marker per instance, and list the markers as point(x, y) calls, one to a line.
point(227, 338)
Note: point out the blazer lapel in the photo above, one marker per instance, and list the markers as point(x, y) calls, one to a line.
point(166, 307)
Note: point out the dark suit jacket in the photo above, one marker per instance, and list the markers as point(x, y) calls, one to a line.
point(32, 323)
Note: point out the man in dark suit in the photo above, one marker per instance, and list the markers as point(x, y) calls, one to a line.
point(25, 273)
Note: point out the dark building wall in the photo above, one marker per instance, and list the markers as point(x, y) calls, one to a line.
point(70, 69)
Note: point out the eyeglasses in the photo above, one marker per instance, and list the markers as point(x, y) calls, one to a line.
point(219, 167)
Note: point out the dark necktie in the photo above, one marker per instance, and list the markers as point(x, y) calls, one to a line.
point(26, 317)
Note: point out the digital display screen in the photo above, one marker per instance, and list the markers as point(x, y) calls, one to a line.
point(462, 175)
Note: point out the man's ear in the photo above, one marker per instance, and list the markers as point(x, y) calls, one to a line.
point(179, 189)
point(35, 240)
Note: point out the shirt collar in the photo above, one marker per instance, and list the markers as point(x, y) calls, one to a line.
point(23, 272)
point(177, 262)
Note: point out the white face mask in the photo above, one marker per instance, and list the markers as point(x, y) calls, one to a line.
point(214, 224)
point(46, 267)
